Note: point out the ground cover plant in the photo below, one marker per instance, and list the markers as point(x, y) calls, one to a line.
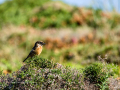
point(40, 73)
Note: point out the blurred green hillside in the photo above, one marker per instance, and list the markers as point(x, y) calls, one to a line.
point(53, 14)
point(75, 36)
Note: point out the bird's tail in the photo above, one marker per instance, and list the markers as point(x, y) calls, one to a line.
point(25, 59)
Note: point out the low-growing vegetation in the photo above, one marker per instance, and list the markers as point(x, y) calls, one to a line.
point(39, 73)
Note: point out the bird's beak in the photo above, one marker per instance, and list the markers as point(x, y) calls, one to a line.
point(43, 43)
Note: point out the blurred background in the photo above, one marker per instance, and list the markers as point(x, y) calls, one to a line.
point(76, 32)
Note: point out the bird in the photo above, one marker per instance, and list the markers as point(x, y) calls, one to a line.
point(36, 50)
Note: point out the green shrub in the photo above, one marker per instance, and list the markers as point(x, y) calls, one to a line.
point(98, 73)
point(40, 62)
point(95, 73)
point(40, 73)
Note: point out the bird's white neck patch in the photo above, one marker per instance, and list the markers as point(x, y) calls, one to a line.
point(38, 45)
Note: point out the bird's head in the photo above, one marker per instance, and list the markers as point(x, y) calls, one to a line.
point(39, 43)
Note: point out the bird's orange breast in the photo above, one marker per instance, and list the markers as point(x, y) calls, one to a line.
point(38, 50)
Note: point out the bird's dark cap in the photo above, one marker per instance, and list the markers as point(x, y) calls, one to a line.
point(40, 42)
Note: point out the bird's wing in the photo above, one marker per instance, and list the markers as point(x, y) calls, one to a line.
point(31, 54)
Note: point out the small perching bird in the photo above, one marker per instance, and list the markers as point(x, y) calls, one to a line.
point(36, 50)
